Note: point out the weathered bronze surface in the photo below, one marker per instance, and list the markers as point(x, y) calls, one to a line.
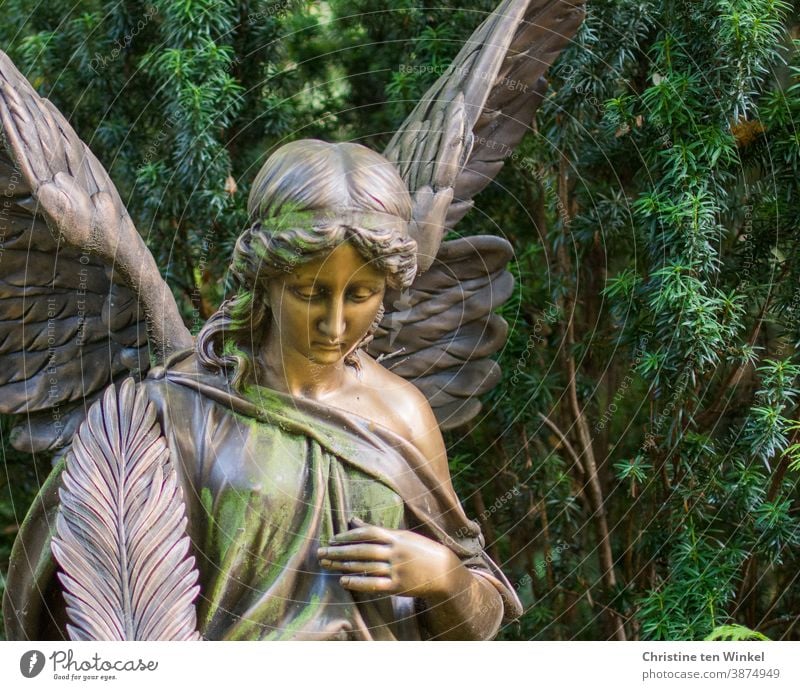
point(290, 458)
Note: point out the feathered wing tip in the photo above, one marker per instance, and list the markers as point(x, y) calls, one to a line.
point(121, 536)
point(455, 141)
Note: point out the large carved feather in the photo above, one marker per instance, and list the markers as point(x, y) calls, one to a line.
point(441, 334)
point(121, 529)
point(81, 300)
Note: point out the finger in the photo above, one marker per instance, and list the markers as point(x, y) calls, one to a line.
point(356, 552)
point(357, 583)
point(370, 534)
point(374, 568)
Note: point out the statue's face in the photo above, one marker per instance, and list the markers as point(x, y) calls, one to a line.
point(322, 309)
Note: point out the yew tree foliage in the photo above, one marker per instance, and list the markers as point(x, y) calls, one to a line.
point(636, 471)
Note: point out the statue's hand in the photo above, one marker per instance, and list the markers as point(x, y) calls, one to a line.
point(393, 561)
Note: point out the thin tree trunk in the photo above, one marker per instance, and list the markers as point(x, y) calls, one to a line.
point(581, 425)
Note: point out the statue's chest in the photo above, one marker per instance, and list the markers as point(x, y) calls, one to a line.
point(285, 475)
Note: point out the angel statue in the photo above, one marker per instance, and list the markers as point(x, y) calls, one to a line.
point(283, 474)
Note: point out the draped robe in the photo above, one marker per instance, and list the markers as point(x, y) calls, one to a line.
point(265, 484)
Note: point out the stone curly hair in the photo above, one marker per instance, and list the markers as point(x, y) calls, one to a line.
point(309, 197)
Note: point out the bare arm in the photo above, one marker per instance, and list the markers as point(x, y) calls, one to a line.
point(470, 608)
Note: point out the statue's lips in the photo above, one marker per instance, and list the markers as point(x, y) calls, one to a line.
point(328, 347)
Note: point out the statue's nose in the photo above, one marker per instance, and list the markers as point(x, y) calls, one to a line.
point(332, 325)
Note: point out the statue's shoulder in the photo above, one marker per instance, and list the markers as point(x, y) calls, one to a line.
point(402, 390)
point(182, 375)
point(406, 407)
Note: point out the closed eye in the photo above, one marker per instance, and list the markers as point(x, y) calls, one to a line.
point(308, 293)
point(361, 294)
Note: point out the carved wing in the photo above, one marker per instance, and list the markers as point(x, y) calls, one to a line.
point(451, 146)
point(121, 529)
point(442, 332)
point(81, 298)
